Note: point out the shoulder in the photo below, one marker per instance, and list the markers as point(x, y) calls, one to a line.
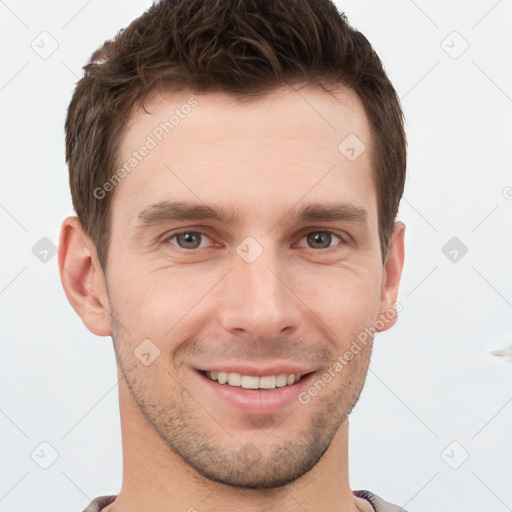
point(377, 502)
point(100, 503)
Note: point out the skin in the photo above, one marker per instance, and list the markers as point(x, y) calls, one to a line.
point(301, 301)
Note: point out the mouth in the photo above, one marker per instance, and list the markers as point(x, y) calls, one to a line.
point(254, 382)
point(270, 391)
point(247, 389)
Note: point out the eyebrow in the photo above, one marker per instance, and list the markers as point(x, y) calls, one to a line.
point(166, 211)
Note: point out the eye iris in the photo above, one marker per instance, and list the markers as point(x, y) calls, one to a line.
point(318, 236)
point(189, 238)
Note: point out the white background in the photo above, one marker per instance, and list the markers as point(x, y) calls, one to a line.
point(432, 381)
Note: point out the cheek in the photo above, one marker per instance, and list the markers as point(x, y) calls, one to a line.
point(152, 303)
point(347, 301)
point(155, 301)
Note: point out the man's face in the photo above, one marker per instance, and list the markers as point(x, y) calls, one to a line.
point(262, 293)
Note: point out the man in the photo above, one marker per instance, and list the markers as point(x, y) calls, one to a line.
point(236, 169)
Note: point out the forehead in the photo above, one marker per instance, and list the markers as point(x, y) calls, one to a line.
point(289, 146)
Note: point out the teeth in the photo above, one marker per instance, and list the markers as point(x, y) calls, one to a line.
point(248, 382)
point(234, 379)
point(282, 379)
point(252, 382)
point(267, 382)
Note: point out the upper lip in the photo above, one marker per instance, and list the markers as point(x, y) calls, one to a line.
point(256, 372)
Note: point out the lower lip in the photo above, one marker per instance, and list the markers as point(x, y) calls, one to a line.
point(256, 401)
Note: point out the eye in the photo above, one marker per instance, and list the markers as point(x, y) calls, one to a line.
point(188, 239)
point(321, 239)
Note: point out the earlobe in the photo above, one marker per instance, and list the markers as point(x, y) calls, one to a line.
point(392, 274)
point(82, 277)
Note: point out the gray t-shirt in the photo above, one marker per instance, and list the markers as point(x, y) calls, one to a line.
point(378, 504)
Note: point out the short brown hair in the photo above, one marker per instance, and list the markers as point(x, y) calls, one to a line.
point(247, 48)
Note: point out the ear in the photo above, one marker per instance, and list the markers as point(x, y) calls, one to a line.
point(82, 277)
point(392, 274)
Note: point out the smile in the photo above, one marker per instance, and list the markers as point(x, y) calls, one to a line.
point(254, 382)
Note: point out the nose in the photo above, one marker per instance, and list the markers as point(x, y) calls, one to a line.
point(257, 299)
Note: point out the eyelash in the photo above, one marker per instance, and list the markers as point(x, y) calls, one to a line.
point(168, 238)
